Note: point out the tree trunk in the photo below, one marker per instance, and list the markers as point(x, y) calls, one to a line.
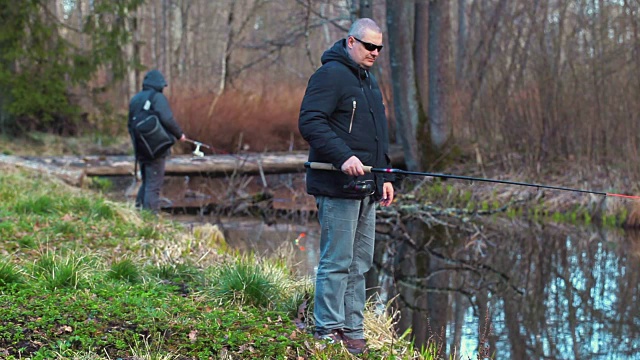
point(131, 26)
point(179, 36)
point(228, 44)
point(168, 40)
point(404, 86)
point(421, 44)
point(4, 91)
point(461, 39)
point(439, 73)
point(225, 58)
point(81, 6)
point(197, 73)
point(366, 9)
point(156, 58)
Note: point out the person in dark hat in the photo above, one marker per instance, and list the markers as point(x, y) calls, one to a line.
point(151, 100)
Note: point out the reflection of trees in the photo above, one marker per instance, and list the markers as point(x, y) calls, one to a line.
point(580, 276)
point(544, 290)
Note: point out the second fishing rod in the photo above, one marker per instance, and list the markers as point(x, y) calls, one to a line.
point(370, 169)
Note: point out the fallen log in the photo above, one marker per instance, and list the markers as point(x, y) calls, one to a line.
point(216, 165)
point(73, 168)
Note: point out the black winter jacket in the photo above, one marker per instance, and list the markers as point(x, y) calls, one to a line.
point(155, 82)
point(342, 114)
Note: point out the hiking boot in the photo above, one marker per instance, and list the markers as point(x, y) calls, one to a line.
point(355, 346)
point(334, 336)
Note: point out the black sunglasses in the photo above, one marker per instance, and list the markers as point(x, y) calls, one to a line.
point(368, 46)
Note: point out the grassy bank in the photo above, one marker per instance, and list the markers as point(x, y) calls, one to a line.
point(86, 278)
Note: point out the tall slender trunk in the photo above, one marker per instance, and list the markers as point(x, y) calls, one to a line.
point(156, 55)
point(439, 73)
point(167, 42)
point(131, 26)
point(402, 71)
point(421, 44)
point(461, 39)
point(226, 57)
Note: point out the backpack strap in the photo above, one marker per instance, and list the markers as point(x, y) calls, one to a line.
point(133, 140)
point(150, 100)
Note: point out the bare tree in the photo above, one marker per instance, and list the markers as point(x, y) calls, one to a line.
point(131, 53)
point(421, 46)
point(440, 76)
point(461, 39)
point(402, 71)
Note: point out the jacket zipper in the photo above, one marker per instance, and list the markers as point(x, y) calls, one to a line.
point(353, 113)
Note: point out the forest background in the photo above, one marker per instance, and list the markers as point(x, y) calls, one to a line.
point(515, 82)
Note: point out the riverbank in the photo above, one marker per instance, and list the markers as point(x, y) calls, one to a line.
point(91, 278)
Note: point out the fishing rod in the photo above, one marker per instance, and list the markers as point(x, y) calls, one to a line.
point(197, 152)
point(370, 169)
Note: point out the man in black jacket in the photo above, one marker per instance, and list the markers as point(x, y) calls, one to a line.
point(152, 170)
point(342, 117)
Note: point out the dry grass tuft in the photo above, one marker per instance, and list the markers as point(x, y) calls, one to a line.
point(126, 212)
point(205, 245)
point(285, 253)
point(210, 235)
point(380, 323)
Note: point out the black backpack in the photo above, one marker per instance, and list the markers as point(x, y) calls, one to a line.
point(150, 138)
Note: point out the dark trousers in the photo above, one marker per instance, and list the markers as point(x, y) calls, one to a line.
point(152, 172)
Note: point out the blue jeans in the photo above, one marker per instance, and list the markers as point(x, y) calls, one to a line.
point(346, 254)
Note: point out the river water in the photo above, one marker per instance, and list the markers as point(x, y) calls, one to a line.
point(522, 290)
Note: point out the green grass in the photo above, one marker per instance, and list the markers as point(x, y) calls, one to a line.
point(52, 272)
point(86, 278)
point(10, 275)
point(246, 282)
point(126, 270)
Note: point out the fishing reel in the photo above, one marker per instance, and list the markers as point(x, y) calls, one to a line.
point(197, 152)
point(361, 187)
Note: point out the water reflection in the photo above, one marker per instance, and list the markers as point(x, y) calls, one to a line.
point(519, 290)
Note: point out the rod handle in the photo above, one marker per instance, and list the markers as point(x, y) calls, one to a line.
point(327, 166)
point(198, 143)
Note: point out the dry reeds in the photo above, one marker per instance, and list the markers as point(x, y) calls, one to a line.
point(380, 326)
point(261, 120)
